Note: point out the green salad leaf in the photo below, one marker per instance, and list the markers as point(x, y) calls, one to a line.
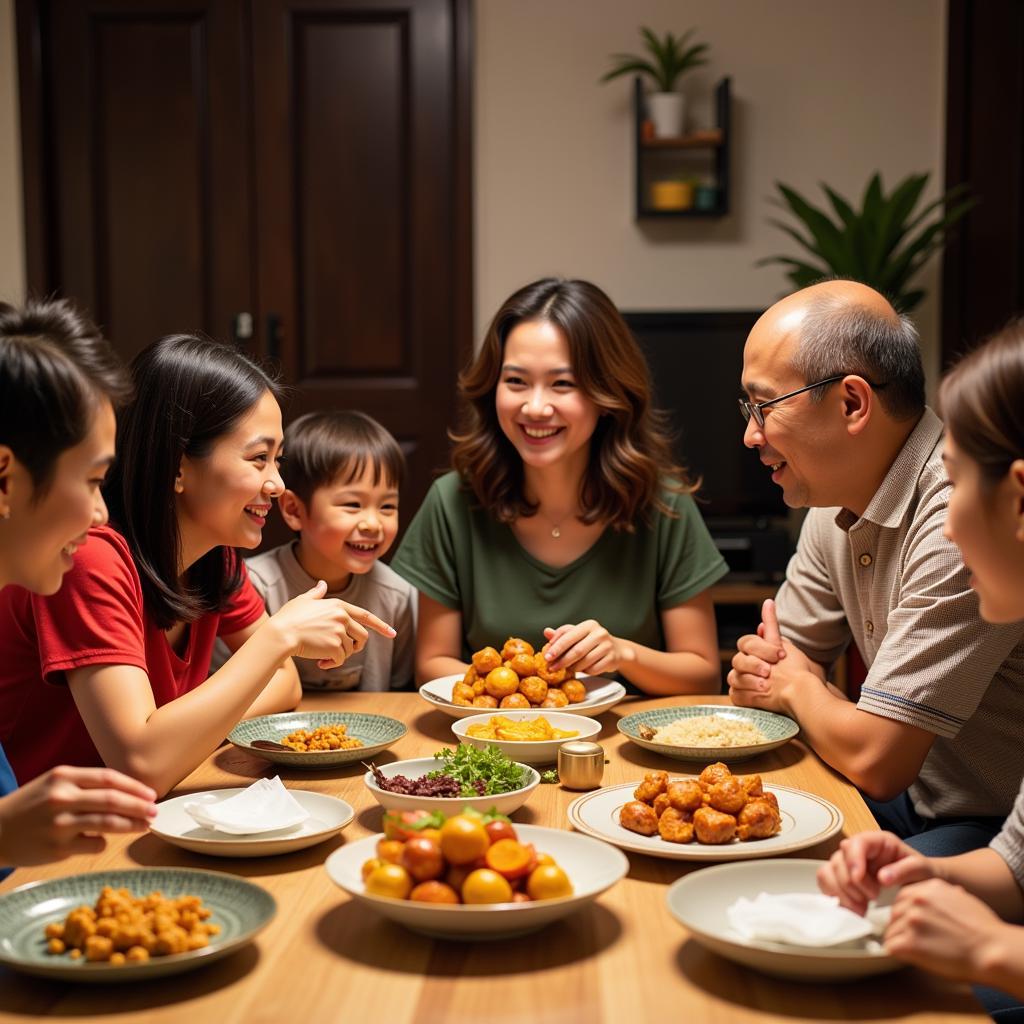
point(489, 766)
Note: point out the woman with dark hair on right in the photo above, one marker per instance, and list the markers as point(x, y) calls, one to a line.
point(112, 669)
point(954, 914)
point(566, 518)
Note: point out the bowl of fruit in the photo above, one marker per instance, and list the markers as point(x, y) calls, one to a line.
point(474, 875)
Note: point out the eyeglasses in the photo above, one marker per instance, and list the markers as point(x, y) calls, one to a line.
point(754, 409)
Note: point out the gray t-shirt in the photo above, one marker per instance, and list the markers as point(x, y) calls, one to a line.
point(382, 664)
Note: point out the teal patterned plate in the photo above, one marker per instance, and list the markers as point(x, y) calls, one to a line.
point(777, 729)
point(377, 732)
point(239, 907)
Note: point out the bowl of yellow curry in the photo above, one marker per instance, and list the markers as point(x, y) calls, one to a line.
point(529, 737)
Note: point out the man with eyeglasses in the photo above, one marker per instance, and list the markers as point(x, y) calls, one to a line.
point(835, 410)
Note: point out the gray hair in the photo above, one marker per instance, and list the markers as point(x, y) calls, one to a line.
point(838, 337)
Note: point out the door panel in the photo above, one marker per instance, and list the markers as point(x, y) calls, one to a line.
point(354, 150)
point(151, 183)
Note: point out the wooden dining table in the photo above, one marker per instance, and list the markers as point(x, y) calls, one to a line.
point(622, 959)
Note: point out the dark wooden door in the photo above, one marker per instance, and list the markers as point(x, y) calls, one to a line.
point(302, 168)
point(148, 209)
point(356, 147)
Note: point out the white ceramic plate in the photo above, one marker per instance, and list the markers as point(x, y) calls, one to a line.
point(699, 900)
point(591, 866)
point(602, 694)
point(777, 730)
point(503, 803)
point(328, 815)
point(806, 821)
point(528, 751)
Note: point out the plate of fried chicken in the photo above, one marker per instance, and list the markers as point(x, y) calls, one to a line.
point(714, 816)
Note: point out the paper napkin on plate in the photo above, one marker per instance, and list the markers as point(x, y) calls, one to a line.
point(265, 806)
point(798, 918)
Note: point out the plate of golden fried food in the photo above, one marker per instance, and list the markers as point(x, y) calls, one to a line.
point(529, 737)
point(111, 926)
point(715, 816)
point(517, 678)
point(318, 739)
point(708, 732)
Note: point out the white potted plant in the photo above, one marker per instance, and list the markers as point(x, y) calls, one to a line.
point(669, 57)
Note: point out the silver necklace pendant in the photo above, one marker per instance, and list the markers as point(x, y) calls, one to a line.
point(556, 532)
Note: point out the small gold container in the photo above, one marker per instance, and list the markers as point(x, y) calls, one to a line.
point(580, 764)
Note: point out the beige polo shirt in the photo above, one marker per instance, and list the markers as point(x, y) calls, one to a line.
point(894, 585)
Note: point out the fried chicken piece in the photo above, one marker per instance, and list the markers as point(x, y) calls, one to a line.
point(653, 784)
point(685, 794)
point(675, 826)
point(752, 784)
point(758, 820)
point(661, 802)
point(639, 817)
point(486, 659)
point(514, 700)
point(713, 827)
point(516, 645)
point(727, 796)
point(772, 799)
point(716, 772)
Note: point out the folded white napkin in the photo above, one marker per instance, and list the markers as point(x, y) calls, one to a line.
point(800, 919)
point(265, 806)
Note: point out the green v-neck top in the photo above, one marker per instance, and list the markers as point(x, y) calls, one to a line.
point(458, 554)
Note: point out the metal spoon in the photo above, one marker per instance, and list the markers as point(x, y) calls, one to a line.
point(271, 745)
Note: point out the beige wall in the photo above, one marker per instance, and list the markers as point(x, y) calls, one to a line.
point(12, 243)
point(823, 91)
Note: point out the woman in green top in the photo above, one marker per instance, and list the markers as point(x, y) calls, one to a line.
point(565, 517)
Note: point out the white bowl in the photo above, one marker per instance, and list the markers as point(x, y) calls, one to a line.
point(328, 815)
point(592, 867)
point(503, 803)
point(528, 751)
point(602, 694)
point(699, 901)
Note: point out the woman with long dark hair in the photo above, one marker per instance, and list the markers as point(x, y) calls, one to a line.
point(565, 518)
point(112, 669)
point(960, 916)
point(59, 387)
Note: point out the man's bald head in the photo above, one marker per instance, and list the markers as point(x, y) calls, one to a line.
point(842, 327)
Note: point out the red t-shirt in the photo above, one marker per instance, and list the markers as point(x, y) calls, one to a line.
point(96, 618)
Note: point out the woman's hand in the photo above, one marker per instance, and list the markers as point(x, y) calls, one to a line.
point(867, 862)
point(327, 629)
point(944, 929)
point(61, 813)
point(586, 647)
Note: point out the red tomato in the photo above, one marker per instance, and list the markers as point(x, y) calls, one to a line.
point(422, 859)
point(399, 824)
point(434, 892)
point(499, 829)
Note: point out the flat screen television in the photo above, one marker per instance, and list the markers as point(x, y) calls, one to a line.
point(696, 360)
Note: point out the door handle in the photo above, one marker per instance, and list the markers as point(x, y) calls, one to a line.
point(274, 336)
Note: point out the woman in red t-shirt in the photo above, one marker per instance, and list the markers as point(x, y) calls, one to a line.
point(125, 644)
point(59, 383)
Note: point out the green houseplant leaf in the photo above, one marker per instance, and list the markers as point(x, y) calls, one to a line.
point(667, 58)
point(884, 244)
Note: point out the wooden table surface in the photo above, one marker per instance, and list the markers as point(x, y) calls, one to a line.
point(325, 958)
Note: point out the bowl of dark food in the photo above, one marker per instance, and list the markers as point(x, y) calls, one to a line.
point(452, 780)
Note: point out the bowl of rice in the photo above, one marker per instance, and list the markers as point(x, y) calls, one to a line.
point(708, 732)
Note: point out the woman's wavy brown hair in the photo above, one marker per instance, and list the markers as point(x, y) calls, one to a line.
point(982, 401)
point(631, 459)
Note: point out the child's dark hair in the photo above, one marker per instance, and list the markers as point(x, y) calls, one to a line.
point(322, 447)
point(55, 370)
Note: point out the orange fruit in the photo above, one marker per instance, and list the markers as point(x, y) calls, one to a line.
point(511, 858)
point(463, 839)
point(548, 882)
point(389, 880)
point(486, 886)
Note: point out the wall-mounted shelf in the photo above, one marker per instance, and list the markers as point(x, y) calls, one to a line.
point(674, 158)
